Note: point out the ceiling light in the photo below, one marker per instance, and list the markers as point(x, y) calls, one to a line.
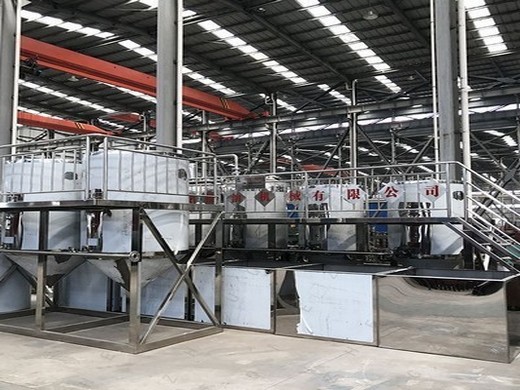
point(370, 15)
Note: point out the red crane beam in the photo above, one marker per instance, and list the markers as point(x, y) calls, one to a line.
point(130, 118)
point(56, 124)
point(84, 66)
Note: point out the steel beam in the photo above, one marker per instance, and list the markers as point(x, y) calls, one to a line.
point(43, 122)
point(407, 22)
point(84, 66)
point(124, 30)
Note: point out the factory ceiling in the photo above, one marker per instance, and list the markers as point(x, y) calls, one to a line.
point(308, 52)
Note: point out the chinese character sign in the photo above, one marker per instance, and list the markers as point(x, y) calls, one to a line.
point(391, 191)
point(264, 197)
point(354, 194)
point(236, 198)
point(432, 190)
point(318, 194)
point(294, 196)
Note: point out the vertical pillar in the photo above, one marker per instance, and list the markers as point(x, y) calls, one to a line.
point(8, 31)
point(353, 140)
point(274, 133)
point(41, 273)
point(204, 145)
point(134, 313)
point(446, 61)
point(169, 72)
point(464, 86)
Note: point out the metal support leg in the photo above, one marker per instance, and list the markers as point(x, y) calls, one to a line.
point(135, 303)
point(219, 257)
point(41, 275)
point(135, 279)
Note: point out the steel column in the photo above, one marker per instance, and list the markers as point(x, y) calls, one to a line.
point(274, 134)
point(353, 141)
point(135, 280)
point(41, 275)
point(446, 61)
point(8, 28)
point(204, 145)
point(169, 73)
point(464, 87)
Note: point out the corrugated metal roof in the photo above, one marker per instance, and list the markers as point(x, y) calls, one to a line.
point(282, 31)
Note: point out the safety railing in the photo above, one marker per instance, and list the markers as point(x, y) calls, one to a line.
point(412, 191)
point(86, 167)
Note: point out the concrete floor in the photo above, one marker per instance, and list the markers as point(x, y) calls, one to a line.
point(243, 361)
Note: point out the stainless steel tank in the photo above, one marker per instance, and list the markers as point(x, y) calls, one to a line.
point(43, 180)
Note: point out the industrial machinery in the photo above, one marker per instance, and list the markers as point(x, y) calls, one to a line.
point(108, 214)
point(101, 229)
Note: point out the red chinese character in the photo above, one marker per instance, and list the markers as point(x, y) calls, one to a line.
point(295, 196)
point(432, 191)
point(235, 197)
point(319, 196)
point(264, 196)
point(353, 193)
point(391, 192)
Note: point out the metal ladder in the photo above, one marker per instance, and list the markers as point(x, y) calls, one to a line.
point(487, 220)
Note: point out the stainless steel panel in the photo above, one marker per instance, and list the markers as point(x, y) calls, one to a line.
point(448, 316)
point(332, 305)
point(513, 316)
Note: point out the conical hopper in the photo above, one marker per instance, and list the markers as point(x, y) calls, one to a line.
point(5, 266)
point(15, 292)
point(57, 265)
point(119, 270)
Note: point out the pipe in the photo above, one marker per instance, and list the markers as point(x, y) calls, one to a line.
point(434, 88)
point(353, 132)
point(236, 171)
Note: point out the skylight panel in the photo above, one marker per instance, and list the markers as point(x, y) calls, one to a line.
point(150, 3)
point(251, 51)
point(36, 112)
point(334, 25)
point(486, 22)
point(495, 133)
point(319, 11)
point(62, 95)
point(187, 13)
point(131, 45)
point(481, 17)
point(339, 30)
point(328, 21)
point(88, 31)
point(69, 26)
point(50, 21)
point(30, 16)
point(209, 25)
point(388, 83)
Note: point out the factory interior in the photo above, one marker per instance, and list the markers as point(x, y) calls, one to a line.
point(259, 194)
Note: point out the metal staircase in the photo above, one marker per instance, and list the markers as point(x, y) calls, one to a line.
point(491, 219)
